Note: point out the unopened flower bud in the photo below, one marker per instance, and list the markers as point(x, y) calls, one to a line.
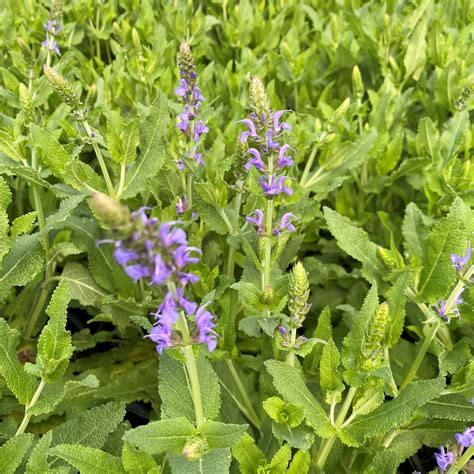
point(111, 212)
point(26, 52)
point(341, 111)
point(298, 294)
point(91, 96)
point(26, 104)
point(374, 337)
point(185, 60)
point(357, 84)
point(387, 258)
point(118, 33)
point(267, 295)
point(136, 39)
point(258, 98)
point(194, 448)
point(63, 87)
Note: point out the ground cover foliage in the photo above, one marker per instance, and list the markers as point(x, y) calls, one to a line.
point(304, 275)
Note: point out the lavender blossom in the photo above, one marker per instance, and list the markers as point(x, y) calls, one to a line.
point(459, 262)
point(443, 458)
point(182, 205)
point(53, 29)
point(188, 122)
point(205, 328)
point(166, 315)
point(256, 218)
point(446, 313)
point(273, 185)
point(466, 438)
point(285, 223)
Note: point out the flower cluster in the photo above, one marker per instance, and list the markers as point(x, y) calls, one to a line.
point(459, 262)
point(158, 253)
point(446, 312)
point(446, 458)
point(188, 121)
point(53, 29)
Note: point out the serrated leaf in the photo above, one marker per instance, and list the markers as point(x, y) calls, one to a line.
point(222, 435)
point(174, 391)
point(322, 332)
point(281, 412)
point(65, 209)
point(138, 462)
point(415, 56)
point(91, 427)
point(355, 242)
point(452, 137)
point(161, 436)
point(427, 138)
point(8, 146)
point(37, 462)
point(87, 459)
point(300, 463)
point(396, 303)
point(22, 264)
point(280, 460)
point(154, 128)
point(83, 288)
point(449, 407)
point(23, 224)
point(216, 461)
point(248, 455)
point(393, 413)
point(301, 437)
point(329, 378)
point(13, 451)
point(290, 384)
point(53, 155)
point(22, 385)
point(54, 343)
point(448, 236)
point(415, 230)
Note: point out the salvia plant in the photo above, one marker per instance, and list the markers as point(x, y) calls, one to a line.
point(236, 237)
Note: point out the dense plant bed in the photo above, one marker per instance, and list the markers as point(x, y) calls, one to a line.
point(236, 236)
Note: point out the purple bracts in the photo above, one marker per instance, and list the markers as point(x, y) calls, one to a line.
point(443, 458)
point(459, 262)
point(205, 328)
point(466, 438)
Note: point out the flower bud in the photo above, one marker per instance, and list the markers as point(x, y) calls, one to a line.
point(258, 98)
point(26, 52)
point(136, 39)
point(63, 88)
point(387, 258)
point(341, 111)
point(357, 84)
point(91, 96)
point(298, 294)
point(118, 33)
point(194, 448)
point(267, 295)
point(374, 336)
point(26, 104)
point(111, 212)
point(185, 60)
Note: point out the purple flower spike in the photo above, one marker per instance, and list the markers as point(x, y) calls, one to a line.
point(123, 256)
point(443, 458)
point(170, 236)
point(278, 127)
point(255, 161)
point(283, 159)
point(181, 89)
point(272, 186)
point(199, 129)
point(182, 205)
point(271, 143)
point(205, 327)
point(51, 45)
point(285, 223)
point(282, 330)
point(466, 438)
point(256, 218)
point(460, 261)
point(187, 305)
point(251, 133)
point(166, 316)
point(135, 272)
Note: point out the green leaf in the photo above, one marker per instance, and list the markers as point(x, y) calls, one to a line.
point(290, 384)
point(355, 242)
point(53, 155)
point(329, 378)
point(161, 436)
point(22, 385)
point(427, 139)
point(415, 230)
point(216, 461)
point(138, 462)
point(22, 264)
point(393, 413)
point(222, 435)
point(91, 427)
point(248, 455)
point(448, 236)
point(300, 463)
point(452, 137)
point(65, 209)
point(449, 407)
point(396, 303)
point(174, 391)
point(37, 462)
point(83, 288)
point(8, 146)
point(301, 437)
point(281, 412)
point(23, 224)
point(13, 451)
point(384, 462)
point(415, 56)
point(322, 332)
point(54, 343)
point(280, 460)
point(154, 128)
point(86, 459)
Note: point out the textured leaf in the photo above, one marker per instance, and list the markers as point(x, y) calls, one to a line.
point(54, 343)
point(427, 138)
point(216, 461)
point(301, 437)
point(414, 230)
point(13, 451)
point(138, 462)
point(415, 56)
point(393, 413)
point(87, 459)
point(452, 137)
point(355, 242)
point(300, 463)
point(83, 288)
point(151, 157)
point(53, 155)
point(248, 455)
point(222, 435)
point(161, 436)
point(22, 385)
point(396, 303)
point(7, 146)
point(448, 236)
point(37, 462)
point(290, 384)
point(450, 407)
point(65, 209)
point(91, 427)
point(174, 391)
point(22, 264)
point(23, 224)
point(329, 378)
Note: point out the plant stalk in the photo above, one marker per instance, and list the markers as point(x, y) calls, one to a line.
point(462, 461)
point(27, 416)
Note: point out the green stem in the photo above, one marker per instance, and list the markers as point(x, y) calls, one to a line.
point(100, 159)
point(308, 165)
point(462, 461)
point(36, 311)
point(122, 179)
point(291, 354)
point(250, 411)
point(195, 388)
point(328, 444)
point(235, 225)
point(267, 249)
point(27, 416)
